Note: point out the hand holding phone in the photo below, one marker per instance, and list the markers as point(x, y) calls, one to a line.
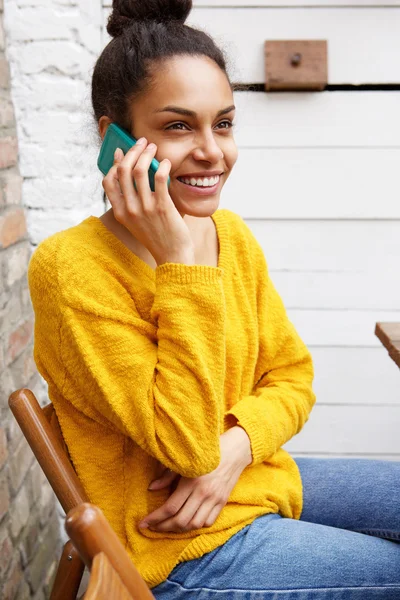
point(116, 137)
point(152, 218)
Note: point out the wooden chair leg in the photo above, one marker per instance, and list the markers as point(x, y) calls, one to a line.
point(69, 575)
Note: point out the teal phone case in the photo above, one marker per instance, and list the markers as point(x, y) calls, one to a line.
point(116, 137)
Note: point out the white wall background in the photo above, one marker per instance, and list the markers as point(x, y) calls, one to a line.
point(325, 205)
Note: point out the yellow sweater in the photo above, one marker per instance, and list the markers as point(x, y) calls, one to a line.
point(145, 365)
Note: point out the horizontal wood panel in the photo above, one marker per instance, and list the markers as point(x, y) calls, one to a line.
point(329, 246)
point(314, 183)
point(323, 120)
point(241, 31)
point(363, 43)
point(374, 291)
point(355, 376)
point(340, 327)
point(350, 429)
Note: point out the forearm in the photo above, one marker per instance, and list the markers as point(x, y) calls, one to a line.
point(274, 413)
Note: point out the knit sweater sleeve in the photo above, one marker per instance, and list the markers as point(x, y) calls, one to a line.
point(158, 381)
point(282, 397)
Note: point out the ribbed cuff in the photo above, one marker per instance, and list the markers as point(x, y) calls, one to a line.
point(179, 273)
point(260, 441)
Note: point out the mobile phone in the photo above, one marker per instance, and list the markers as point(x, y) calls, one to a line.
point(116, 137)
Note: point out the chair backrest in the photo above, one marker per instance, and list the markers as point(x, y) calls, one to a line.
point(91, 534)
point(104, 582)
point(42, 431)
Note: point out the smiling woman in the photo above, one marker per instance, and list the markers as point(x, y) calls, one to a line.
point(174, 370)
point(200, 145)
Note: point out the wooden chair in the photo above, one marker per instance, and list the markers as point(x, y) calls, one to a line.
point(42, 431)
point(104, 582)
point(113, 575)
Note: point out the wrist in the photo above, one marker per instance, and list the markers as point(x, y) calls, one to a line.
point(183, 257)
point(242, 445)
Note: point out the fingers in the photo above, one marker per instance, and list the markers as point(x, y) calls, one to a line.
point(186, 509)
point(110, 182)
point(136, 166)
point(161, 182)
point(213, 515)
point(205, 515)
point(127, 182)
point(169, 508)
point(166, 479)
point(190, 516)
point(112, 186)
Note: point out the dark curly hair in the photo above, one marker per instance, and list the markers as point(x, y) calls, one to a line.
point(144, 32)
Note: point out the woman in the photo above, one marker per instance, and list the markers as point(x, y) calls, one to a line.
point(171, 361)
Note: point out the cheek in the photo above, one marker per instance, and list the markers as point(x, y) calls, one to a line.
point(230, 153)
point(174, 152)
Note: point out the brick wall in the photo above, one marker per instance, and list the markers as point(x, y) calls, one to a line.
point(48, 181)
point(52, 46)
point(29, 523)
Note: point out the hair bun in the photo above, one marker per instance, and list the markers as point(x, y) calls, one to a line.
point(124, 12)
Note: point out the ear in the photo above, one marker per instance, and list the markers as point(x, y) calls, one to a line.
point(103, 124)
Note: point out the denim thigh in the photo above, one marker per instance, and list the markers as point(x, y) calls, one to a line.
point(350, 493)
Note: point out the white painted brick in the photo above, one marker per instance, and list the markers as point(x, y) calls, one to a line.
point(55, 22)
point(58, 139)
point(56, 160)
point(47, 91)
point(62, 57)
point(39, 3)
point(90, 36)
point(45, 126)
point(71, 193)
point(91, 11)
point(44, 223)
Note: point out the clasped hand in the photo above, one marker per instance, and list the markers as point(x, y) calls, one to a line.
point(197, 502)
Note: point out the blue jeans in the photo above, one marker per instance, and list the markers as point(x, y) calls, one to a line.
point(344, 547)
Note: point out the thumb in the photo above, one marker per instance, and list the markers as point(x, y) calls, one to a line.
point(166, 479)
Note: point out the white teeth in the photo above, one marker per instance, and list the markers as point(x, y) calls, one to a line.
point(200, 181)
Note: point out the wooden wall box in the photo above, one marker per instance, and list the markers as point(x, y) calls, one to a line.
point(296, 65)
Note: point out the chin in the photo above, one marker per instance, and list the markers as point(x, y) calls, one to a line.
point(198, 208)
point(203, 206)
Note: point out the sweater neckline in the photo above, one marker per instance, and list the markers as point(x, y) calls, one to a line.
point(219, 219)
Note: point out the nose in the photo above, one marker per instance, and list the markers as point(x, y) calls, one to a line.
point(207, 148)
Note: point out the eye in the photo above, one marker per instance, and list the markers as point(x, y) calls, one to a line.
point(228, 124)
point(175, 126)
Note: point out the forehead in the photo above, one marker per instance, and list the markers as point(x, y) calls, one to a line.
point(195, 83)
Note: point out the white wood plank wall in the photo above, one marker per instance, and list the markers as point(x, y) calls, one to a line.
point(325, 205)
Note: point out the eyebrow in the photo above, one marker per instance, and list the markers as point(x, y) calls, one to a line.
point(191, 113)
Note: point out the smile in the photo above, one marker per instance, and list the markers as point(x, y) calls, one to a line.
point(204, 182)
